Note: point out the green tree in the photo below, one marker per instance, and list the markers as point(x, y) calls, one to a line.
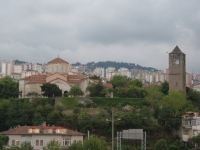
point(8, 88)
point(94, 143)
point(194, 96)
point(173, 147)
point(154, 94)
point(54, 118)
point(137, 83)
point(96, 89)
point(95, 77)
point(3, 141)
point(33, 94)
point(174, 100)
point(52, 145)
point(196, 139)
point(37, 119)
point(26, 146)
point(165, 87)
point(76, 146)
point(75, 91)
point(161, 145)
point(120, 81)
point(51, 90)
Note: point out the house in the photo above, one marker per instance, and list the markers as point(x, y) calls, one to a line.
point(190, 126)
point(40, 136)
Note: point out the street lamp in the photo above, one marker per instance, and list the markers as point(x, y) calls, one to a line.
point(113, 120)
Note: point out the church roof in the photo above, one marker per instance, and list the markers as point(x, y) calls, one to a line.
point(176, 50)
point(57, 60)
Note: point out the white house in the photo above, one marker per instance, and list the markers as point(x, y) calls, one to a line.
point(40, 136)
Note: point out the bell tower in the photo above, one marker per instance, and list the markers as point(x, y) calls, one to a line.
point(177, 70)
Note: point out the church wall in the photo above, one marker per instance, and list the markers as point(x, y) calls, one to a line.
point(58, 67)
point(36, 88)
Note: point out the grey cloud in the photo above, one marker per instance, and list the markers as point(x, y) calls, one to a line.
point(131, 31)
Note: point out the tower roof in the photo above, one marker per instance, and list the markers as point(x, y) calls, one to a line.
point(57, 60)
point(176, 50)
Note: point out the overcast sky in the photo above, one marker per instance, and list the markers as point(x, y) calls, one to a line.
point(134, 31)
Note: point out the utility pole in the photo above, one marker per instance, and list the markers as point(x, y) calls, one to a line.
point(112, 128)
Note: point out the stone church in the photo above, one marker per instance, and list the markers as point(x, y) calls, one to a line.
point(58, 73)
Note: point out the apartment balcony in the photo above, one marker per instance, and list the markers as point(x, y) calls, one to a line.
point(186, 138)
point(189, 126)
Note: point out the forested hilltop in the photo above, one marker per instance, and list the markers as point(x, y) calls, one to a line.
point(116, 65)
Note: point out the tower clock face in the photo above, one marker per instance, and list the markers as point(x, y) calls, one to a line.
point(176, 61)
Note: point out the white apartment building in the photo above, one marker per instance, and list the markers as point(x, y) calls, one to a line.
point(109, 70)
point(37, 68)
point(142, 75)
point(99, 71)
point(26, 73)
point(6, 68)
point(134, 72)
point(160, 77)
point(125, 72)
point(17, 68)
point(110, 75)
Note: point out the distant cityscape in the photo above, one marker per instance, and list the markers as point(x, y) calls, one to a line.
point(19, 69)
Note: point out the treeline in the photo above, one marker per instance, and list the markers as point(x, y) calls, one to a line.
point(116, 65)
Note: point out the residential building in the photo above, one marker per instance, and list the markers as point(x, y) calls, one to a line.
point(134, 72)
point(109, 70)
point(17, 68)
point(110, 75)
point(40, 136)
point(190, 125)
point(6, 67)
point(125, 72)
point(99, 71)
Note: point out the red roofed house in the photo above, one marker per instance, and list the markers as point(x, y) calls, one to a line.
point(40, 136)
point(58, 73)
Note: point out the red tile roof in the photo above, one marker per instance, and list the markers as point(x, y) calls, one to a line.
point(33, 79)
point(108, 85)
point(57, 60)
point(23, 130)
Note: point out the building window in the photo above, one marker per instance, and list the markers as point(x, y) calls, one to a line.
point(41, 142)
point(66, 141)
point(17, 142)
point(13, 142)
point(37, 143)
point(193, 122)
point(185, 132)
point(26, 139)
point(185, 122)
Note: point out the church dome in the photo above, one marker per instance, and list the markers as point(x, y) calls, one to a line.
point(57, 60)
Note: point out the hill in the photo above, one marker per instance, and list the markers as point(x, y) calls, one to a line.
point(116, 65)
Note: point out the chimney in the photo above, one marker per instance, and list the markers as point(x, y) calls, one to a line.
point(44, 123)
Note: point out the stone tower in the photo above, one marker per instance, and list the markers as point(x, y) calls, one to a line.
point(177, 70)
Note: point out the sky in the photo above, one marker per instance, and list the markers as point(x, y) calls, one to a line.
point(134, 31)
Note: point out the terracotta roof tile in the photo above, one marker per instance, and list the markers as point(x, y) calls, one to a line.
point(23, 130)
point(57, 60)
point(108, 85)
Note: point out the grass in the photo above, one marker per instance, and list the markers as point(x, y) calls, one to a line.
point(69, 102)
